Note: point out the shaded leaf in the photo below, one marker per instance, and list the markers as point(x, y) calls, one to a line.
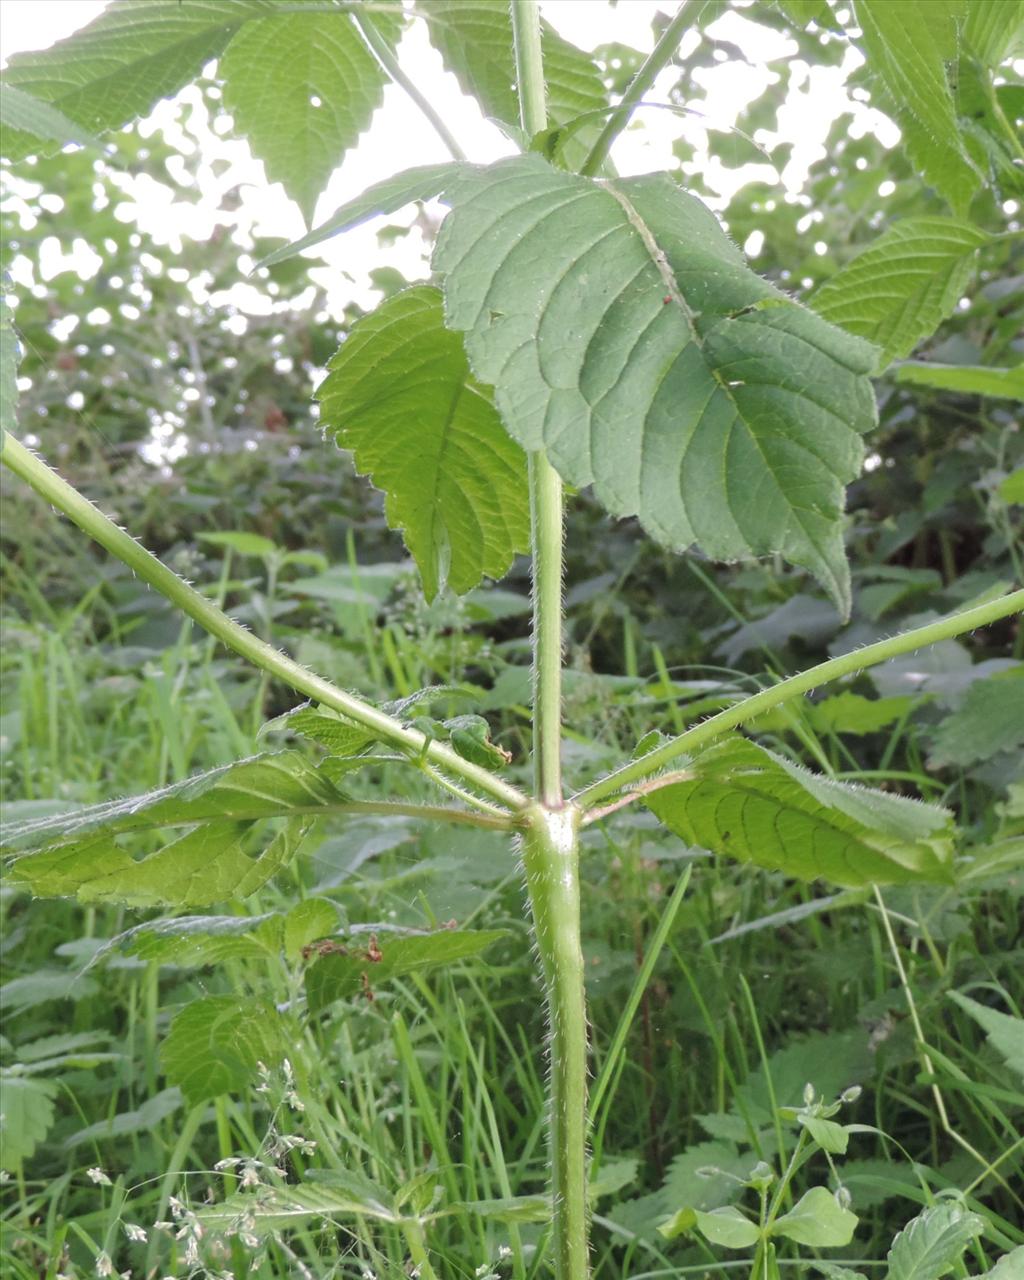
point(1004, 1032)
point(1009, 1267)
point(42, 985)
point(119, 66)
point(338, 976)
point(647, 359)
point(302, 87)
point(972, 380)
point(214, 1045)
point(340, 1194)
point(931, 1245)
point(990, 720)
point(900, 288)
point(400, 395)
point(142, 1120)
point(26, 1114)
point(908, 44)
point(826, 1133)
point(994, 29)
point(753, 805)
point(421, 183)
point(817, 1220)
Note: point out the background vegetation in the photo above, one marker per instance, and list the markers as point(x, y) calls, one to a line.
point(196, 431)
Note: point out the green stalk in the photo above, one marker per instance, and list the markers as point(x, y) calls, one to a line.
point(869, 655)
point(551, 863)
point(659, 57)
point(89, 518)
point(551, 842)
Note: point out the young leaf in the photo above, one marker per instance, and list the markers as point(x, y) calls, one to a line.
point(121, 65)
point(341, 974)
point(908, 44)
point(727, 1227)
point(818, 1220)
point(1005, 1033)
point(969, 380)
point(930, 1246)
point(648, 360)
point(214, 1045)
point(422, 183)
point(474, 37)
point(826, 1133)
point(902, 286)
point(27, 1115)
point(746, 802)
point(302, 87)
point(399, 394)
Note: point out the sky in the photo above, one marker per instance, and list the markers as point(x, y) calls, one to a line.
point(400, 137)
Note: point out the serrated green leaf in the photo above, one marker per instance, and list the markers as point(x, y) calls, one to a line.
point(908, 44)
point(852, 713)
point(990, 720)
point(400, 395)
point(302, 87)
point(308, 920)
point(422, 183)
point(42, 985)
point(1004, 1032)
point(900, 288)
point(746, 802)
point(22, 113)
point(994, 29)
point(340, 975)
point(119, 66)
point(971, 380)
point(196, 941)
point(817, 1220)
point(214, 1045)
point(930, 1246)
point(647, 359)
point(474, 37)
point(26, 1114)
point(509, 1209)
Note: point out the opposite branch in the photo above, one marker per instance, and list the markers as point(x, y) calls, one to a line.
point(858, 660)
point(92, 521)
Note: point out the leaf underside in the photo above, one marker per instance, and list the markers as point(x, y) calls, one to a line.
point(625, 335)
point(400, 395)
point(755, 806)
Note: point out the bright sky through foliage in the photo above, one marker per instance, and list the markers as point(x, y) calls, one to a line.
point(400, 138)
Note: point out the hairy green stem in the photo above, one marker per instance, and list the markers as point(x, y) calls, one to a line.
point(385, 56)
point(551, 863)
point(92, 521)
point(750, 708)
point(545, 483)
point(659, 57)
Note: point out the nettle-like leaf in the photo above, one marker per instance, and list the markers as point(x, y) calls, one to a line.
point(931, 1245)
point(993, 29)
point(908, 44)
point(1009, 1267)
point(902, 286)
point(215, 1045)
point(356, 966)
point(647, 359)
point(120, 66)
point(21, 112)
point(474, 37)
point(400, 395)
point(421, 183)
point(302, 87)
point(990, 720)
point(969, 380)
point(753, 805)
point(1004, 1031)
point(339, 1193)
point(27, 1115)
point(79, 854)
